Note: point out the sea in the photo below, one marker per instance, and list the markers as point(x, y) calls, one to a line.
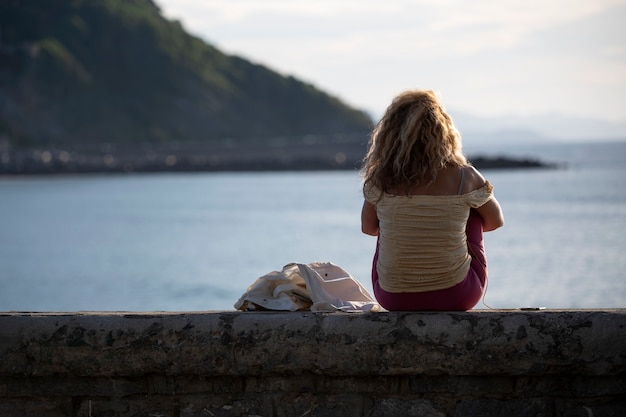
point(196, 241)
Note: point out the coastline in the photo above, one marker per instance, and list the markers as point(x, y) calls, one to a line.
point(194, 157)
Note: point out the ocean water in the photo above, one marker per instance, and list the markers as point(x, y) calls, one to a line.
point(189, 242)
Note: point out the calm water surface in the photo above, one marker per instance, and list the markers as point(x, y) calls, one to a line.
point(196, 241)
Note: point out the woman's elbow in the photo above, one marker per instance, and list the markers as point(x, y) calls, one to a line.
point(369, 230)
point(493, 224)
point(492, 215)
point(369, 219)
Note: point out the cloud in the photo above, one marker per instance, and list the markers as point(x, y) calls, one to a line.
point(486, 56)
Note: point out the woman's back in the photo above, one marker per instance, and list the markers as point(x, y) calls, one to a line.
point(449, 181)
point(422, 239)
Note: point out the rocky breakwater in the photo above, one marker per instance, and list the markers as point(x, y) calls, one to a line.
point(478, 363)
point(276, 155)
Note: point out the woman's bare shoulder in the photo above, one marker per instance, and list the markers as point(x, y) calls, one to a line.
point(472, 180)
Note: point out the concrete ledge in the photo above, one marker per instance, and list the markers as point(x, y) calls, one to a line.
point(483, 363)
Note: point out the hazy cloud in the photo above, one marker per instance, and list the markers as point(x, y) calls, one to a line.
point(487, 57)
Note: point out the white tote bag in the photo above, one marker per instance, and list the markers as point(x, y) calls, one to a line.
point(317, 286)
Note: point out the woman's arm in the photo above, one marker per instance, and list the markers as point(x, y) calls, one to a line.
point(491, 212)
point(492, 216)
point(369, 219)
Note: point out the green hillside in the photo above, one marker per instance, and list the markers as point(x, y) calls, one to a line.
point(116, 71)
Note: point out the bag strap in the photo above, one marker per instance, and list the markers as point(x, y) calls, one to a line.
point(461, 182)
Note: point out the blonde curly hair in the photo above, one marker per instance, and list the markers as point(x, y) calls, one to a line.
point(413, 141)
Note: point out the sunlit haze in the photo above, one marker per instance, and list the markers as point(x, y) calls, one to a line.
point(486, 57)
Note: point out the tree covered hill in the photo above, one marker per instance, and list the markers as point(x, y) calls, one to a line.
point(113, 86)
point(116, 71)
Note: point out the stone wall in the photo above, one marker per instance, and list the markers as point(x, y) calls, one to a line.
point(479, 363)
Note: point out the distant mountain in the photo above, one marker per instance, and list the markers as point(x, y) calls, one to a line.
point(116, 71)
point(535, 129)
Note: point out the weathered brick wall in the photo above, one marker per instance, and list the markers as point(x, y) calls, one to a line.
point(480, 363)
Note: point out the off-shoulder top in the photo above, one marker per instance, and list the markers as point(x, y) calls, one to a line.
point(422, 241)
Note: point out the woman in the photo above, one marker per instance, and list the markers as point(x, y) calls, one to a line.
point(429, 208)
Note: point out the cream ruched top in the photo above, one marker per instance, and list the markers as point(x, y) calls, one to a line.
point(422, 241)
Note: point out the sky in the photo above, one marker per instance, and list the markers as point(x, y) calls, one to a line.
point(488, 58)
